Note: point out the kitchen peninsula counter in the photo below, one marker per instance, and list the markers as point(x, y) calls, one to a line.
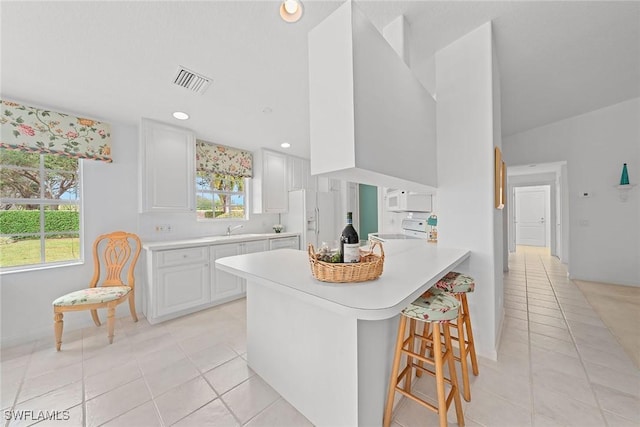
point(327, 347)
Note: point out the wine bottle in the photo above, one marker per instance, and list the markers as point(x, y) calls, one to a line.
point(349, 242)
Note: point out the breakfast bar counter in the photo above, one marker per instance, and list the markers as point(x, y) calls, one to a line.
point(327, 347)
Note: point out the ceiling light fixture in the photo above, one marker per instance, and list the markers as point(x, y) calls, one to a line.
point(285, 145)
point(291, 10)
point(180, 115)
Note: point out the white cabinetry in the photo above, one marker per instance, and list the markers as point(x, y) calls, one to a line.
point(224, 285)
point(255, 246)
point(167, 168)
point(269, 182)
point(181, 280)
point(299, 174)
point(286, 242)
point(184, 280)
point(325, 184)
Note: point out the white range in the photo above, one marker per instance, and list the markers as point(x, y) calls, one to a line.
point(412, 228)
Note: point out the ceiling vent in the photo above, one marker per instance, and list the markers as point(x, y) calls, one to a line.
point(192, 81)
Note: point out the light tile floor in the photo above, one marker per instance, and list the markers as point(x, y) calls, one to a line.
point(558, 365)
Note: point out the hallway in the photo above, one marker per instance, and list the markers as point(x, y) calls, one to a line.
point(558, 364)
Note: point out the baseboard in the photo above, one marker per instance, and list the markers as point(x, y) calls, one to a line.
point(499, 334)
point(47, 332)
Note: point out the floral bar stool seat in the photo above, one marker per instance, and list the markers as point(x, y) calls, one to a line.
point(460, 285)
point(456, 283)
point(436, 309)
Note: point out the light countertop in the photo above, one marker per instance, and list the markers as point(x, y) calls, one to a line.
point(410, 268)
point(213, 240)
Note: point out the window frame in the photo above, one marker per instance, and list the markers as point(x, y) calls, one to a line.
point(244, 194)
point(43, 202)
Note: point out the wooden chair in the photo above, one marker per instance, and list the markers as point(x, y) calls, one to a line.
point(120, 251)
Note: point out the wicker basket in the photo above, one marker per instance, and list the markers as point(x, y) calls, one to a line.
point(369, 267)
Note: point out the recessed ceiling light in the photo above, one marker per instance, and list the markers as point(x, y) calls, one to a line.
point(285, 145)
point(291, 10)
point(180, 115)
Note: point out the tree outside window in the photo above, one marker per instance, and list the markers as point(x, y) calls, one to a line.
point(220, 196)
point(39, 209)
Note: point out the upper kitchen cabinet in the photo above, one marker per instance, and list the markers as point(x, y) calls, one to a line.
point(270, 182)
point(371, 120)
point(167, 168)
point(298, 170)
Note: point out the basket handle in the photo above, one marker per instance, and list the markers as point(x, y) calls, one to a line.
point(372, 246)
point(378, 244)
point(311, 251)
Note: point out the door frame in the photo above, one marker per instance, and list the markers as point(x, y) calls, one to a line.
point(552, 207)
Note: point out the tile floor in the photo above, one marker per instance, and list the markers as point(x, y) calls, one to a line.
point(558, 365)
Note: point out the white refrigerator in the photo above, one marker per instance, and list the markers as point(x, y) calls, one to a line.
point(312, 214)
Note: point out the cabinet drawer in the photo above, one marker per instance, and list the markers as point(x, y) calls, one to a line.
point(183, 256)
point(284, 242)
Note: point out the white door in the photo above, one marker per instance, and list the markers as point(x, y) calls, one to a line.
point(531, 221)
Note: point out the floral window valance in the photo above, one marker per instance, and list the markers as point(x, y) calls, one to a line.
point(42, 131)
point(224, 160)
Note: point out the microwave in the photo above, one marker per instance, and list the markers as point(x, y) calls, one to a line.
point(408, 201)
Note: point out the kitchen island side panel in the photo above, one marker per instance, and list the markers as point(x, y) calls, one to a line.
point(306, 353)
point(376, 345)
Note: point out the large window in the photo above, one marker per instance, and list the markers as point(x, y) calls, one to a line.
point(220, 196)
point(39, 209)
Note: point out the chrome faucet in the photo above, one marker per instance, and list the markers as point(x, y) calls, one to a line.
point(230, 228)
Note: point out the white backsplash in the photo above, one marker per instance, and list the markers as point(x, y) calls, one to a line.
point(185, 225)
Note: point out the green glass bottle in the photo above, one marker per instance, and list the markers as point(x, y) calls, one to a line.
point(624, 179)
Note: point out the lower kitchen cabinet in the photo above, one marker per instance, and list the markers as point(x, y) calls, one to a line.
point(224, 286)
point(182, 287)
point(184, 280)
point(181, 280)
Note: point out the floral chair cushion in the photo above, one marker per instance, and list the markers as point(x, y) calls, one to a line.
point(93, 295)
point(433, 307)
point(456, 283)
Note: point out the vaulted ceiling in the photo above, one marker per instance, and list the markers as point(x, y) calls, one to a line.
point(115, 61)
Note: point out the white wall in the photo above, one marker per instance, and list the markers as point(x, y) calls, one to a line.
point(110, 202)
point(604, 232)
point(466, 136)
point(353, 114)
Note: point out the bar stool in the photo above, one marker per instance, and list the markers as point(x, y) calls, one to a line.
point(436, 310)
point(459, 285)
